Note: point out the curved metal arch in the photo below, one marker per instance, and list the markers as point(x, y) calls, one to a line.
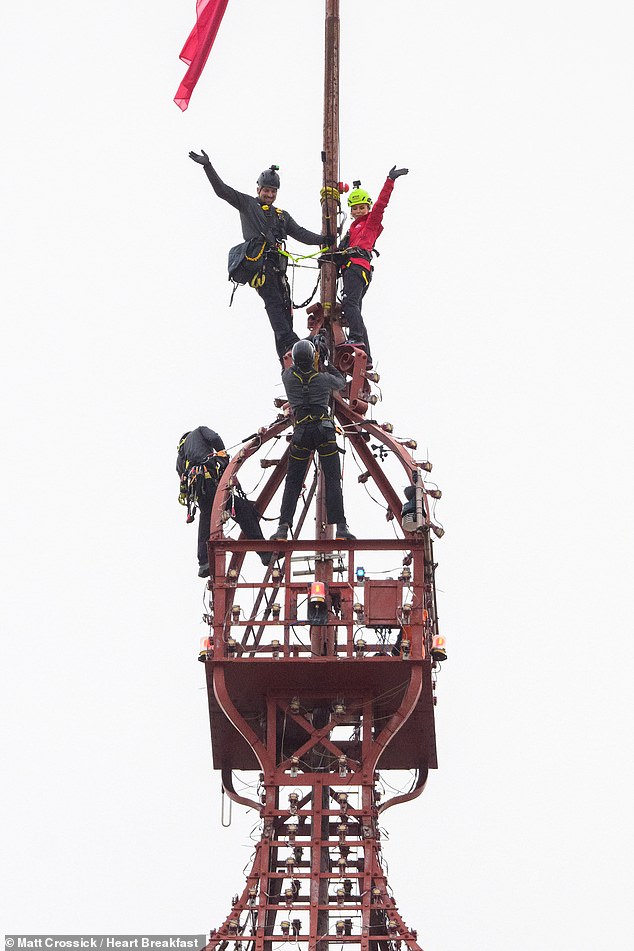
point(227, 785)
point(236, 462)
point(235, 718)
point(230, 477)
point(421, 782)
point(348, 417)
point(400, 715)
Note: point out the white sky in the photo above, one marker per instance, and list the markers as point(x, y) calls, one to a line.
point(500, 318)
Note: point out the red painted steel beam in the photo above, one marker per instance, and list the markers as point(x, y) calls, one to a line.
point(317, 544)
point(264, 435)
point(400, 716)
point(421, 782)
point(227, 785)
point(231, 712)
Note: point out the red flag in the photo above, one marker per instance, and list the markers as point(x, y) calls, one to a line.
point(209, 14)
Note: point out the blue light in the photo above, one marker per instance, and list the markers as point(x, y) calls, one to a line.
point(360, 573)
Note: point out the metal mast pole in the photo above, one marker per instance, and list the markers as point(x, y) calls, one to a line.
point(330, 206)
point(330, 155)
point(322, 639)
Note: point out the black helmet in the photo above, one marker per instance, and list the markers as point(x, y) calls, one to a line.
point(303, 354)
point(269, 177)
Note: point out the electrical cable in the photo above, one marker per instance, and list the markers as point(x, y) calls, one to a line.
point(376, 501)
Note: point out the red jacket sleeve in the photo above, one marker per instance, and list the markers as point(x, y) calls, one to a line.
point(375, 218)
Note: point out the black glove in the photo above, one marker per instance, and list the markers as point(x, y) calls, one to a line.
point(319, 342)
point(393, 173)
point(202, 159)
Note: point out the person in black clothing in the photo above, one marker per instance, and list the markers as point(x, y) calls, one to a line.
point(200, 462)
point(308, 391)
point(261, 219)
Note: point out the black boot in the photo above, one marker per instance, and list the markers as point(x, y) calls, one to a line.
point(343, 532)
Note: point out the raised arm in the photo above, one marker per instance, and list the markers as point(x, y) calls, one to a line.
point(376, 214)
point(336, 380)
point(223, 191)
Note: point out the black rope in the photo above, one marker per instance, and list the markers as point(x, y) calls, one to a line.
point(308, 299)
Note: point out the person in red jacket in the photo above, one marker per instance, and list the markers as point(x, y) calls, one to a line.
point(357, 245)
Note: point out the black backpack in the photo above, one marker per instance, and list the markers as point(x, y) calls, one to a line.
point(246, 261)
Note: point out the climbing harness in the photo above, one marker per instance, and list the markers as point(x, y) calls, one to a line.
point(198, 481)
point(248, 261)
point(324, 421)
point(306, 379)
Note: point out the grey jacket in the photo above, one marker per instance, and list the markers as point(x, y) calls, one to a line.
point(320, 388)
point(274, 224)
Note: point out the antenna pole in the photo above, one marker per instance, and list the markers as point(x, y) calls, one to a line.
point(330, 208)
point(323, 571)
point(330, 154)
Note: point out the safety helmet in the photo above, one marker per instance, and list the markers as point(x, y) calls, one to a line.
point(303, 354)
point(359, 196)
point(269, 177)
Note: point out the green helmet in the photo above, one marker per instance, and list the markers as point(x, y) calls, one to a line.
point(359, 196)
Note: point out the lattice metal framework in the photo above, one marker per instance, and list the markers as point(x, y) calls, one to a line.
point(317, 696)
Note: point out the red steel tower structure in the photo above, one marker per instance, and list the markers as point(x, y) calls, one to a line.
point(326, 681)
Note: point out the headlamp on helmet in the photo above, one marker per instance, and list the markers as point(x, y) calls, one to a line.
point(269, 177)
point(358, 195)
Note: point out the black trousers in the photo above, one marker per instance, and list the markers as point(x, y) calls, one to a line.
point(277, 300)
point(204, 527)
point(307, 438)
point(242, 511)
point(356, 280)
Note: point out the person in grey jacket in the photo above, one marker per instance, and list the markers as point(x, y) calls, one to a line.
point(308, 391)
point(260, 218)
